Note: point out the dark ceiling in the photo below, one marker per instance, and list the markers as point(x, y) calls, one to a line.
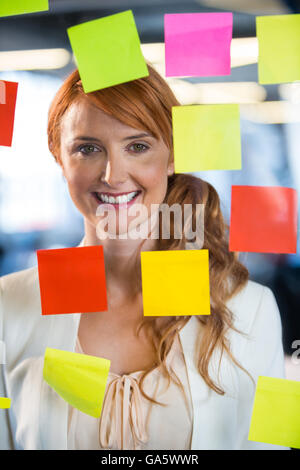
point(48, 29)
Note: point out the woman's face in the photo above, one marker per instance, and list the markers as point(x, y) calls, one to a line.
point(103, 158)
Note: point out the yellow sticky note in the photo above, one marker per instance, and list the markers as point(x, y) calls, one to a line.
point(276, 412)
point(279, 48)
point(19, 7)
point(78, 378)
point(108, 51)
point(4, 402)
point(206, 137)
point(175, 282)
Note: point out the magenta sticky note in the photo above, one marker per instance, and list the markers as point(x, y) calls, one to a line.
point(198, 44)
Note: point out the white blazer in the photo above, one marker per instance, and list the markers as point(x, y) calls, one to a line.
point(38, 417)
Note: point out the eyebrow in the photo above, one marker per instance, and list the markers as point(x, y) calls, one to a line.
point(88, 139)
point(138, 136)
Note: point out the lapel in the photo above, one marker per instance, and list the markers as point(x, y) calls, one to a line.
point(198, 388)
point(215, 424)
point(214, 415)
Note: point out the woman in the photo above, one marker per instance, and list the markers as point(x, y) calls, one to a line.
point(174, 382)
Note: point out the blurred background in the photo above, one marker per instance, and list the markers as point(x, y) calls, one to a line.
point(35, 208)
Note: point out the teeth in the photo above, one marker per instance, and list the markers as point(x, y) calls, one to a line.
point(118, 199)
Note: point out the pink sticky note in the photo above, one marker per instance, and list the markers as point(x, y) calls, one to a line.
point(198, 44)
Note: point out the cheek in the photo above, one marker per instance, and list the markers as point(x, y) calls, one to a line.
point(78, 177)
point(154, 177)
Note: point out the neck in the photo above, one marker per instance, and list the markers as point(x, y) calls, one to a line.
point(120, 257)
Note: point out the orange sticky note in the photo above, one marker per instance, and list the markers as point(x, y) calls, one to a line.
point(8, 97)
point(72, 280)
point(263, 219)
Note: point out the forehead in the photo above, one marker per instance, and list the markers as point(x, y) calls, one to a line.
point(85, 118)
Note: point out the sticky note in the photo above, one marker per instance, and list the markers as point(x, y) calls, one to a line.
point(78, 378)
point(8, 97)
point(19, 7)
point(175, 282)
point(72, 280)
point(279, 48)
point(206, 137)
point(5, 402)
point(263, 219)
point(108, 51)
point(276, 412)
point(198, 44)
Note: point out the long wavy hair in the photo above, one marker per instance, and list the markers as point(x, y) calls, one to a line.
point(146, 104)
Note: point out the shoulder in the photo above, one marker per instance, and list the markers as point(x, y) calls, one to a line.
point(258, 344)
point(254, 303)
point(20, 286)
point(20, 291)
point(26, 276)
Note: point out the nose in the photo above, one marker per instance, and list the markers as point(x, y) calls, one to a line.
point(114, 173)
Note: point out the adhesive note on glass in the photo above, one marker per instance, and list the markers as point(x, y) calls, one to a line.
point(206, 137)
point(19, 7)
point(276, 412)
point(5, 402)
point(108, 51)
point(72, 280)
point(8, 97)
point(198, 44)
point(175, 282)
point(279, 48)
point(78, 378)
point(263, 219)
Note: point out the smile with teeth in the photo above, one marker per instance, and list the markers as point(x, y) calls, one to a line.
point(125, 198)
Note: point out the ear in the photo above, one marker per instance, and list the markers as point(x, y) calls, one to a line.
point(171, 168)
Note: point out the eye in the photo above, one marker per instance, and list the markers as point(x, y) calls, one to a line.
point(88, 149)
point(138, 148)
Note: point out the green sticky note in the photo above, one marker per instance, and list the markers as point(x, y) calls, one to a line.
point(108, 51)
point(276, 412)
point(78, 378)
point(4, 403)
point(206, 137)
point(19, 7)
point(279, 48)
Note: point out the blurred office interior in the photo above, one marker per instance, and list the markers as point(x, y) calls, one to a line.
point(35, 208)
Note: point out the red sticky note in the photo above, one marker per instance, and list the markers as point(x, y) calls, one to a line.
point(263, 219)
point(8, 97)
point(72, 280)
point(198, 44)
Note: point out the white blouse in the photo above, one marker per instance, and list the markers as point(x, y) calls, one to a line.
point(129, 420)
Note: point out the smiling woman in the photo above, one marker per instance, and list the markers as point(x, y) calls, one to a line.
point(105, 160)
point(182, 382)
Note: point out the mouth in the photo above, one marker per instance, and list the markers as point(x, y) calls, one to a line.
point(121, 200)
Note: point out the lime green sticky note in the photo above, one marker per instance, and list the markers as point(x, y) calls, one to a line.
point(108, 51)
point(78, 378)
point(19, 7)
point(276, 412)
point(175, 282)
point(4, 402)
point(206, 137)
point(279, 48)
